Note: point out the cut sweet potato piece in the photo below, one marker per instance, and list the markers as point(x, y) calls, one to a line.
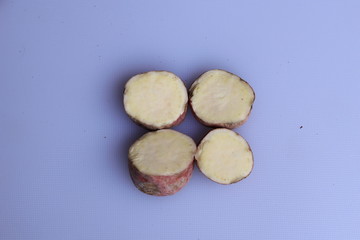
point(221, 99)
point(224, 156)
point(156, 99)
point(161, 162)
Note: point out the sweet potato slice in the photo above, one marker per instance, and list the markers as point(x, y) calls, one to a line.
point(224, 156)
point(156, 99)
point(161, 162)
point(221, 99)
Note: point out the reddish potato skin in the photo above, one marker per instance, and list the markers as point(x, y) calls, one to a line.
point(150, 127)
point(237, 180)
point(160, 185)
point(230, 125)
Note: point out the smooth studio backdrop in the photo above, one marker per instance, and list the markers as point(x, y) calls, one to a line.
point(64, 135)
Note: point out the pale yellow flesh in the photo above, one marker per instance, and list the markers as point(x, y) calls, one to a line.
point(221, 97)
point(162, 153)
point(155, 98)
point(224, 156)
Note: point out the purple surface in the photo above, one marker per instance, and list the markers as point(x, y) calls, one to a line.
point(64, 134)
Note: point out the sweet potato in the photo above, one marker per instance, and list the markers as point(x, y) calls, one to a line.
point(156, 99)
point(224, 156)
point(161, 162)
point(221, 99)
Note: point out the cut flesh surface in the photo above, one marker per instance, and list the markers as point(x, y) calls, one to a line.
point(224, 156)
point(156, 98)
point(162, 153)
point(220, 97)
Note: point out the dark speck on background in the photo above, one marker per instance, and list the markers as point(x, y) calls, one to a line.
point(301, 127)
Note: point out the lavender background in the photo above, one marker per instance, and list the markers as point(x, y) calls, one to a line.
point(64, 134)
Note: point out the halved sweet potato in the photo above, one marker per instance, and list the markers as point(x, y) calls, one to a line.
point(161, 162)
point(224, 156)
point(156, 99)
point(221, 99)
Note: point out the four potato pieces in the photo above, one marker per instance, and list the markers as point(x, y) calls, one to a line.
point(161, 162)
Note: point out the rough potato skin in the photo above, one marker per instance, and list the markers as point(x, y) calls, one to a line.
point(237, 180)
point(160, 185)
point(229, 125)
point(150, 127)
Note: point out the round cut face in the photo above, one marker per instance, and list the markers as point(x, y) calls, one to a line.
point(224, 156)
point(155, 99)
point(219, 97)
point(162, 153)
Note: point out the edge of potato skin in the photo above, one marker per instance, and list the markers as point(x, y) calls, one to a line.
point(220, 125)
point(224, 125)
point(252, 167)
point(132, 167)
point(179, 120)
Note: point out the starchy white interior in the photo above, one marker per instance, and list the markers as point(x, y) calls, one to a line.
point(224, 156)
point(221, 97)
point(155, 98)
point(162, 153)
